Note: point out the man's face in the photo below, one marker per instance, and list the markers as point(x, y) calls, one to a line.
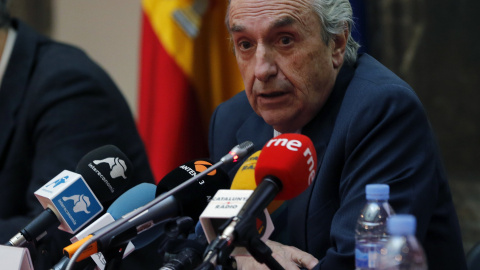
point(287, 68)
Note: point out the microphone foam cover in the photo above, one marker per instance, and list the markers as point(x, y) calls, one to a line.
point(106, 170)
point(245, 176)
point(132, 199)
point(194, 197)
point(245, 179)
point(292, 159)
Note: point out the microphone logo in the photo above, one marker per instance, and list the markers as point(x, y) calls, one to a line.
point(292, 145)
point(57, 182)
point(250, 163)
point(198, 167)
point(80, 203)
point(118, 167)
point(202, 165)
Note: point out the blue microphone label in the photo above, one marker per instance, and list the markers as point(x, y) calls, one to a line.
point(77, 204)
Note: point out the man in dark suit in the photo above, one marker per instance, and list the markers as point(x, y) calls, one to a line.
point(302, 74)
point(56, 105)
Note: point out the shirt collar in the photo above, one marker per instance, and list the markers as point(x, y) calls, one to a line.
point(7, 51)
point(276, 133)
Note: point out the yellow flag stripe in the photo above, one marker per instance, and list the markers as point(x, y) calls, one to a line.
point(173, 38)
point(207, 61)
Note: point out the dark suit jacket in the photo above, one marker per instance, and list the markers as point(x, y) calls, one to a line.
point(372, 129)
point(56, 105)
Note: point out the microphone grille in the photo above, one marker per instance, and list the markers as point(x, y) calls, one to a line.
point(244, 149)
point(238, 152)
point(247, 146)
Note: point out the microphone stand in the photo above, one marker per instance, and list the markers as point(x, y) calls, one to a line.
point(114, 257)
point(262, 253)
point(172, 228)
point(240, 230)
point(222, 258)
point(218, 252)
point(255, 246)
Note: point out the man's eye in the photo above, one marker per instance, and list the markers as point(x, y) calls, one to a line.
point(244, 45)
point(285, 40)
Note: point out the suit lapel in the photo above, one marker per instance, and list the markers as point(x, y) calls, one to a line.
point(319, 130)
point(256, 130)
point(15, 80)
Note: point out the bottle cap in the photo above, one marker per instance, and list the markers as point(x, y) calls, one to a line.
point(377, 191)
point(402, 224)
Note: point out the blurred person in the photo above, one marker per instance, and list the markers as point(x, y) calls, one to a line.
point(56, 105)
point(302, 74)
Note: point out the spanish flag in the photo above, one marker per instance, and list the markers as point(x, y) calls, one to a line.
point(187, 68)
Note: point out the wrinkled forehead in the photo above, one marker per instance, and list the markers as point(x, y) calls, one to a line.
point(269, 10)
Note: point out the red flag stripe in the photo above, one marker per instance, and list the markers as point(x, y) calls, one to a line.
point(168, 113)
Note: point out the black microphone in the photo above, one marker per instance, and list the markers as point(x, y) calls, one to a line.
point(193, 198)
point(108, 168)
point(71, 199)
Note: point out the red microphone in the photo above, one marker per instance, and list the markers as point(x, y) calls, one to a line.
point(285, 168)
point(291, 158)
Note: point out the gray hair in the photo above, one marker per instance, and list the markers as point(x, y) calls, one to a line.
point(336, 16)
point(4, 14)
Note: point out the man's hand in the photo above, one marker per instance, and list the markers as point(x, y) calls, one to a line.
point(291, 258)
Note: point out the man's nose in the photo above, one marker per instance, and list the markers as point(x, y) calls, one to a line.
point(265, 66)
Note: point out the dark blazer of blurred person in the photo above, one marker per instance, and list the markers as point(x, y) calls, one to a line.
point(56, 105)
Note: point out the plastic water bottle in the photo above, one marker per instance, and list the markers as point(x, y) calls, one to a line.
point(402, 251)
point(371, 229)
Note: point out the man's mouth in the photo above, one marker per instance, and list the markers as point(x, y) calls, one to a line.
point(273, 94)
point(273, 99)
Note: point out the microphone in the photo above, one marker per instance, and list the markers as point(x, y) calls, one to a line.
point(133, 198)
point(193, 198)
point(227, 203)
point(110, 168)
point(72, 199)
point(238, 152)
point(245, 179)
point(285, 168)
point(190, 201)
point(295, 169)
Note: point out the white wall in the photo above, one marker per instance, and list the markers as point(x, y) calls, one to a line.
point(109, 31)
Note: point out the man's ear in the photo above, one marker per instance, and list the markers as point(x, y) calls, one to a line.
point(339, 45)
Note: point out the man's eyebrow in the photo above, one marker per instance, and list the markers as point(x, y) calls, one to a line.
point(284, 21)
point(237, 28)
